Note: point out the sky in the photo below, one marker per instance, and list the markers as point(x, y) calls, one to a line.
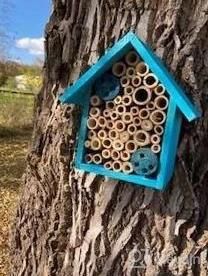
point(26, 22)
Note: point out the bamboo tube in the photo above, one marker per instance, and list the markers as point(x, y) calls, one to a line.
point(144, 114)
point(107, 143)
point(110, 105)
point(131, 129)
point(158, 117)
point(88, 158)
point(102, 122)
point(142, 138)
point(132, 58)
point(119, 69)
point(130, 72)
point(108, 165)
point(136, 121)
point(97, 158)
point(158, 130)
point(127, 118)
point(87, 144)
point(134, 110)
point(95, 101)
point(118, 100)
point(109, 124)
point(106, 153)
point(142, 69)
point(102, 134)
point(127, 168)
point(156, 148)
point(113, 134)
point(96, 144)
point(115, 155)
point(92, 123)
point(136, 81)
point(106, 113)
point(126, 100)
point(155, 139)
point(94, 112)
point(159, 90)
point(131, 146)
point(114, 115)
point(125, 81)
point(128, 90)
point(161, 102)
point(117, 166)
point(91, 134)
point(120, 109)
point(117, 145)
point(146, 125)
point(124, 136)
point(119, 126)
point(150, 80)
point(150, 105)
point(141, 95)
point(125, 155)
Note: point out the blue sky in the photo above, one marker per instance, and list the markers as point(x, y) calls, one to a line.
point(27, 19)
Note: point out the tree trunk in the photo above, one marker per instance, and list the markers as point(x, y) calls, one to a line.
point(74, 223)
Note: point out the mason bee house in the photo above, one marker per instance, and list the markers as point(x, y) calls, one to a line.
point(131, 120)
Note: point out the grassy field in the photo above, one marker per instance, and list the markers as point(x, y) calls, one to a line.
point(16, 115)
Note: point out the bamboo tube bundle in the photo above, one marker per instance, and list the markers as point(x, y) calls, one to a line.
point(136, 81)
point(92, 123)
point(142, 138)
point(159, 90)
point(158, 130)
point(128, 90)
point(95, 101)
point(113, 134)
point(106, 153)
point(161, 102)
point(144, 114)
point(127, 118)
point(155, 139)
point(120, 109)
point(141, 95)
point(119, 125)
point(115, 155)
point(146, 125)
point(142, 69)
point(130, 72)
point(88, 158)
point(124, 136)
point(97, 158)
point(127, 168)
point(125, 81)
point(108, 165)
point(150, 80)
point(117, 166)
point(131, 146)
point(125, 155)
point(96, 144)
point(132, 58)
point(119, 69)
point(158, 117)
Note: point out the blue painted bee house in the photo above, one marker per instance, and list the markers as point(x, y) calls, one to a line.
point(179, 106)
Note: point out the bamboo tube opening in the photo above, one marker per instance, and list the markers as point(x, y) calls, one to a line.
point(120, 109)
point(97, 159)
point(142, 138)
point(102, 122)
point(113, 134)
point(88, 158)
point(119, 126)
point(158, 117)
point(132, 58)
point(109, 124)
point(119, 69)
point(108, 165)
point(144, 113)
point(146, 125)
point(87, 144)
point(141, 95)
point(129, 90)
point(114, 115)
point(158, 130)
point(95, 100)
point(142, 69)
point(131, 146)
point(127, 100)
point(117, 145)
point(127, 117)
point(134, 110)
point(131, 129)
point(150, 80)
point(117, 166)
point(125, 155)
point(95, 144)
point(137, 121)
point(92, 123)
point(94, 112)
point(130, 72)
point(91, 134)
point(127, 168)
point(115, 154)
point(118, 100)
point(102, 134)
point(124, 136)
point(106, 154)
point(110, 105)
point(136, 81)
point(155, 139)
point(150, 106)
point(107, 143)
point(161, 102)
point(156, 148)
point(124, 81)
point(106, 113)
point(159, 90)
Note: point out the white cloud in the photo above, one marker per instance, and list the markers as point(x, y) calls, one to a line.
point(34, 46)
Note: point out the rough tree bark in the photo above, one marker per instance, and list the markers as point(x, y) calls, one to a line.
point(72, 223)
